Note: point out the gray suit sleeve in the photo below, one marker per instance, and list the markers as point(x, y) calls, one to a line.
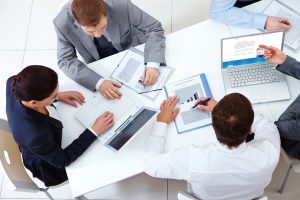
point(290, 67)
point(71, 66)
point(288, 123)
point(155, 44)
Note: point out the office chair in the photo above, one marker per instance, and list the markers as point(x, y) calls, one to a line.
point(292, 164)
point(11, 165)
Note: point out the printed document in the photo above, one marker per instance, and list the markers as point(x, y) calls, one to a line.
point(188, 91)
point(292, 36)
point(131, 72)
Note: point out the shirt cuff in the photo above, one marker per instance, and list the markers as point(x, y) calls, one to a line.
point(153, 65)
point(160, 129)
point(93, 132)
point(99, 83)
point(259, 21)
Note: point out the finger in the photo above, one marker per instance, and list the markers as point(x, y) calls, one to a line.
point(284, 26)
point(170, 102)
point(151, 80)
point(116, 84)
point(117, 91)
point(174, 102)
point(163, 104)
point(114, 94)
point(200, 99)
point(175, 113)
point(104, 114)
point(77, 98)
point(70, 102)
point(202, 107)
point(81, 97)
point(109, 96)
point(146, 80)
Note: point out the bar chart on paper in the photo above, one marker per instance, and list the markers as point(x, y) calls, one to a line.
point(188, 91)
point(189, 94)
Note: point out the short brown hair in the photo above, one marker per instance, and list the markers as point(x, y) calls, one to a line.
point(88, 12)
point(232, 119)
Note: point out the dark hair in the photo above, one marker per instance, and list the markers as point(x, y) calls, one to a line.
point(88, 12)
point(232, 118)
point(34, 82)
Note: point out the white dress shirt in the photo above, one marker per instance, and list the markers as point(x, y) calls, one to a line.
point(215, 171)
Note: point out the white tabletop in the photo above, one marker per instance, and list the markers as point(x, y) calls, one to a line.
point(190, 51)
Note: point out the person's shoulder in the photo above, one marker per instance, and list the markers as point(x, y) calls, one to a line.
point(64, 17)
point(117, 7)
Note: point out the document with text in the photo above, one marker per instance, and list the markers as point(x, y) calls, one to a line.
point(131, 72)
point(188, 91)
point(292, 36)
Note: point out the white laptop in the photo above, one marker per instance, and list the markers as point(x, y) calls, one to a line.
point(129, 116)
point(246, 71)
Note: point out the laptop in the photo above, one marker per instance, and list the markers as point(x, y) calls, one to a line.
point(246, 71)
point(129, 116)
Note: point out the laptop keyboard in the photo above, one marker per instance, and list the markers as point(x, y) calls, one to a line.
point(120, 107)
point(251, 75)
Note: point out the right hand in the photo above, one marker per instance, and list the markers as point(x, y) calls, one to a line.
point(277, 23)
point(103, 123)
point(167, 110)
point(273, 54)
point(209, 106)
point(109, 89)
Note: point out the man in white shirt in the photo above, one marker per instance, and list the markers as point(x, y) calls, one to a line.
point(230, 169)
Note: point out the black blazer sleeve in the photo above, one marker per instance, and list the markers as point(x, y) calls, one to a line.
point(51, 151)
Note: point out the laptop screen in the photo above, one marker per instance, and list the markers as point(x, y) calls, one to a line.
point(244, 49)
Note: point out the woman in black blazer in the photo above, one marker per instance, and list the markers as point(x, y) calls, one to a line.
point(36, 127)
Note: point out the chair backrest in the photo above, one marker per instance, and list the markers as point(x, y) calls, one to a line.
point(11, 162)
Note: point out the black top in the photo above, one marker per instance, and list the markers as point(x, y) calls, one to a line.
point(39, 138)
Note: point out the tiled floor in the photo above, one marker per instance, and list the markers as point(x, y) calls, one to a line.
point(28, 37)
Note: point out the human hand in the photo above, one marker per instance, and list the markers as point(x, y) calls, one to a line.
point(103, 123)
point(70, 96)
point(209, 106)
point(109, 89)
point(151, 76)
point(273, 54)
point(167, 113)
point(277, 23)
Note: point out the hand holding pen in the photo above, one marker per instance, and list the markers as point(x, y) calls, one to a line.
point(205, 104)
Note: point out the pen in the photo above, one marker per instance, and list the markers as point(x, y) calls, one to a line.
point(150, 91)
point(201, 102)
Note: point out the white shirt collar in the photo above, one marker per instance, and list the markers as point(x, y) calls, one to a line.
point(242, 147)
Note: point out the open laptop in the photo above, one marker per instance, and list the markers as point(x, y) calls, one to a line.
point(246, 71)
point(129, 116)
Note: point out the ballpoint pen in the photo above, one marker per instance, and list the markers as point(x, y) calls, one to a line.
point(150, 91)
point(201, 102)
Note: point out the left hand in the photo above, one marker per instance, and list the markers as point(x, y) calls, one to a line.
point(151, 76)
point(168, 112)
point(70, 96)
point(277, 23)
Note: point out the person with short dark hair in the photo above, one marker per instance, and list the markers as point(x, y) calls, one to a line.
point(230, 12)
point(36, 127)
point(97, 29)
point(230, 168)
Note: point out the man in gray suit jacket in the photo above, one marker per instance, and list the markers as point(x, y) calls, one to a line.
point(288, 123)
point(99, 28)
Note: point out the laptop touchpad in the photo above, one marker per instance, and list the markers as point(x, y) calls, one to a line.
point(257, 93)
